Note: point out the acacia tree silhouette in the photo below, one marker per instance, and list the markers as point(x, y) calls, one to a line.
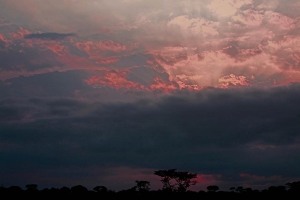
point(183, 180)
point(166, 177)
point(142, 186)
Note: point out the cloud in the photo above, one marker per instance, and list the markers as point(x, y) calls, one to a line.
point(49, 36)
point(115, 80)
point(195, 27)
point(228, 8)
point(92, 47)
point(17, 56)
point(194, 43)
point(215, 131)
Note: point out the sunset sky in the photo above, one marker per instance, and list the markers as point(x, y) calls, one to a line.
point(104, 92)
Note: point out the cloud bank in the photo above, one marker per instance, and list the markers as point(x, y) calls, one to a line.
point(225, 133)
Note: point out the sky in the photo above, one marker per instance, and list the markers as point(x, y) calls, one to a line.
point(105, 92)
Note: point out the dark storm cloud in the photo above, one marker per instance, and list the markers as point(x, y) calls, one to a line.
point(214, 131)
point(49, 36)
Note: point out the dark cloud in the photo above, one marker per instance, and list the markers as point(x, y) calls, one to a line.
point(49, 85)
point(225, 132)
point(145, 75)
point(133, 60)
point(67, 84)
point(19, 56)
point(49, 36)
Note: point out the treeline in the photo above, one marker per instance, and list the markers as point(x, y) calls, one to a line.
point(101, 192)
point(175, 185)
point(291, 190)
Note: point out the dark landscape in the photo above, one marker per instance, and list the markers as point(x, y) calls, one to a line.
point(292, 191)
point(175, 186)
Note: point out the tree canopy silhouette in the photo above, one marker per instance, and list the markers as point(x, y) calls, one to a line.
point(183, 180)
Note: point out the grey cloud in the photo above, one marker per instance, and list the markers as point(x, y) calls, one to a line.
point(49, 36)
point(145, 75)
point(288, 59)
point(133, 60)
point(18, 57)
point(55, 84)
point(70, 84)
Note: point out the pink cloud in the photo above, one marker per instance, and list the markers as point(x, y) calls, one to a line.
point(160, 85)
point(97, 49)
point(232, 80)
point(194, 26)
point(227, 8)
point(280, 21)
point(249, 17)
point(92, 47)
point(244, 67)
point(285, 52)
point(194, 71)
point(221, 43)
point(2, 38)
point(20, 34)
point(119, 80)
point(106, 60)
point(56, 48)
point(114, 79)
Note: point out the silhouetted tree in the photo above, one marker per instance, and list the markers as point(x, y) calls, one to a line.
point(248, 190)
point(15, 189)
point(166, 177)
point(294, 187)
point(100, 189)
point(183, 180)
point(212, 188)
point(232, 189)
point(277, 189)
point(239, 189)
point(142, 186)
point(65, 190)
point(79, 189)
point(32, 187)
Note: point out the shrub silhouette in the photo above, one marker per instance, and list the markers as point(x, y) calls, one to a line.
point(32, 187)
point(212, 188)
point(79, 189)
